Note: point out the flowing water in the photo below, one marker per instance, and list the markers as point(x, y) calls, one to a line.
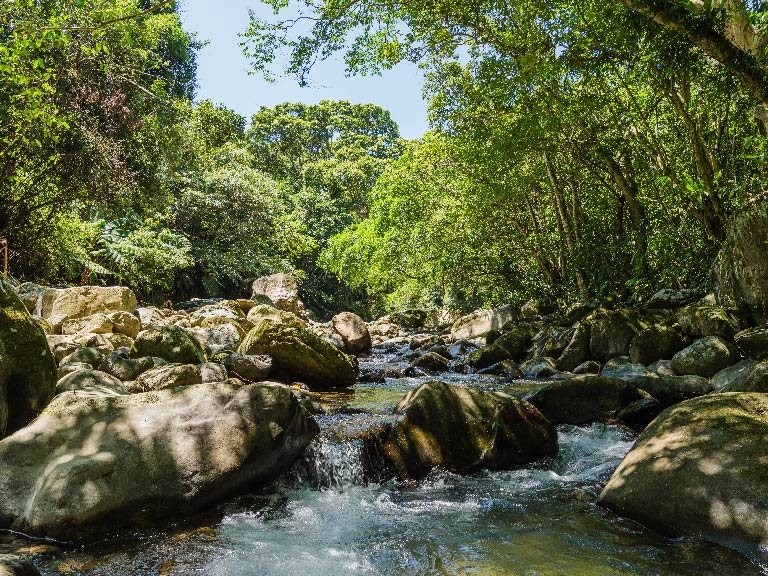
point(333, 515)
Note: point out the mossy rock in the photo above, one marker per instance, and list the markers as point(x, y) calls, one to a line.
point(705, 357)
point(700, 469)
point(299, 354)
point(170, 343)
point(464, 430)
point(27, 367)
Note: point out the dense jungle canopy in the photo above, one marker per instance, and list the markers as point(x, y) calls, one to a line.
point(578, 149)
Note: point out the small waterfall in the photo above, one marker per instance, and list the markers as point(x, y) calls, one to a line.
point(335, 465)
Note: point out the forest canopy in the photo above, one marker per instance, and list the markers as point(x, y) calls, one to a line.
point(576, 150)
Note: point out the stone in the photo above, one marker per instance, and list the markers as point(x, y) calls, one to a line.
point(82, 301)
point(639, 413)
point(119, 341)
point(488, 356)
point(120, 365)
point(282, 290)
point(251, 368)
point(516, 340)
point(670, 390)
point(38, 299)
point(264, 312)
point(662, 368)
point(65, 369)
point(753, 343)
point(612, 332)
point(223, 337)
point(121, 461)
point(298, 354)
point(463, 430)
point(732, 375)
point(409, 319)
point(170, 343)
point(329, 335)
point(584, 399)
point(656, 343)
point(166, 377)
point(669, 298)
point(588, 367)
point(61, 346)
point(11, 565)
point(94, 324)
point(353, 331)
point(536, 308)
point(699, 469)
point(27, 366)
point(576, 351)
point(151, 316)
point(125, 323)
point(701, 320)
point(83, 355)
point(430, 363)
point(622, 368)
point(481, 322)
point(98, 341)
point(212, 372)
point(537, 368)
point(92, 383)
point(505, 368)
point(705, 357)
point(752, 379)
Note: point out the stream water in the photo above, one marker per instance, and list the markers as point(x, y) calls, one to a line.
point(331, 516)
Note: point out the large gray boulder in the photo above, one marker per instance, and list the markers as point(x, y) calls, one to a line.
point(170, 343)
point(91, 382)
point(463, 430)
point(82, 301)
point(481, 322)
point(705, 357)
point(27, 367)
point(282, 290)
point(699, 469)
point(86, 464)
point(167, 376)
point(298, 354)
point(353, 331)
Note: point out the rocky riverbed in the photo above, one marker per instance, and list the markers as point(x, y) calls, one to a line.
point(241, 437)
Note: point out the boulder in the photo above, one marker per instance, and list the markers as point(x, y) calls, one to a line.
point(505, 368)
point(699, 469)
point(463, 430)
point(27, 367)
point(125, 323)
point(481, 322)
point(516, 340)
point(732, 375)
point(701, 320)
point(11, 565)
point(213, 372)
point(170, 343)
point(282, 290)
point(669, 298)
point(353, 331)
point(612, 332)
point(430, 363)
point(753, 343)
point(264, 312)
point(577, 350)
point(409, 319)
point(588, 367)
point(584, 399)
point(94, 324)
point(705, 357)
point(91, 383)
point(487, 356)
point(751, 379)
point(537, 368)
point(639, 413)
point(224, 312)
point(326, 333)
point(121, 366)
point(656, 343)
point(670, 390)
point(84, 355)
point(65, 369)
point(298, 354)
point(37, 299)
point(536, 308)
point(662, 368)
point(113, 462)
point(623, 369)
point(98, 341)
point(551, 341)
point(165, 377)
point(151, 316)
point(251, 368)
point(82, 301)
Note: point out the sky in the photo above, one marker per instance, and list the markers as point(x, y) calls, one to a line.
point(223, 71)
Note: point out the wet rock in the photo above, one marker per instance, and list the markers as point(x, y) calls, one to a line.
point(429, 363)
point(505, 368)
point(378, 373)
point(588, 367)
point(699, 469)
point(705, 357)
point(114, 462)
point(488, 356)
point(460, 348)
point(538, 368)
point(464, 430)
point(27, 367)
point(639, 413)
point(252, 368)
point(170, 343)
point(622, 368)
point(91, 383)
point(584, 399)
point(577, 350)
point(300, 355)
point(353, 331)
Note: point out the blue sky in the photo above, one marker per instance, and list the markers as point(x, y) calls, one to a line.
point(223, 75)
